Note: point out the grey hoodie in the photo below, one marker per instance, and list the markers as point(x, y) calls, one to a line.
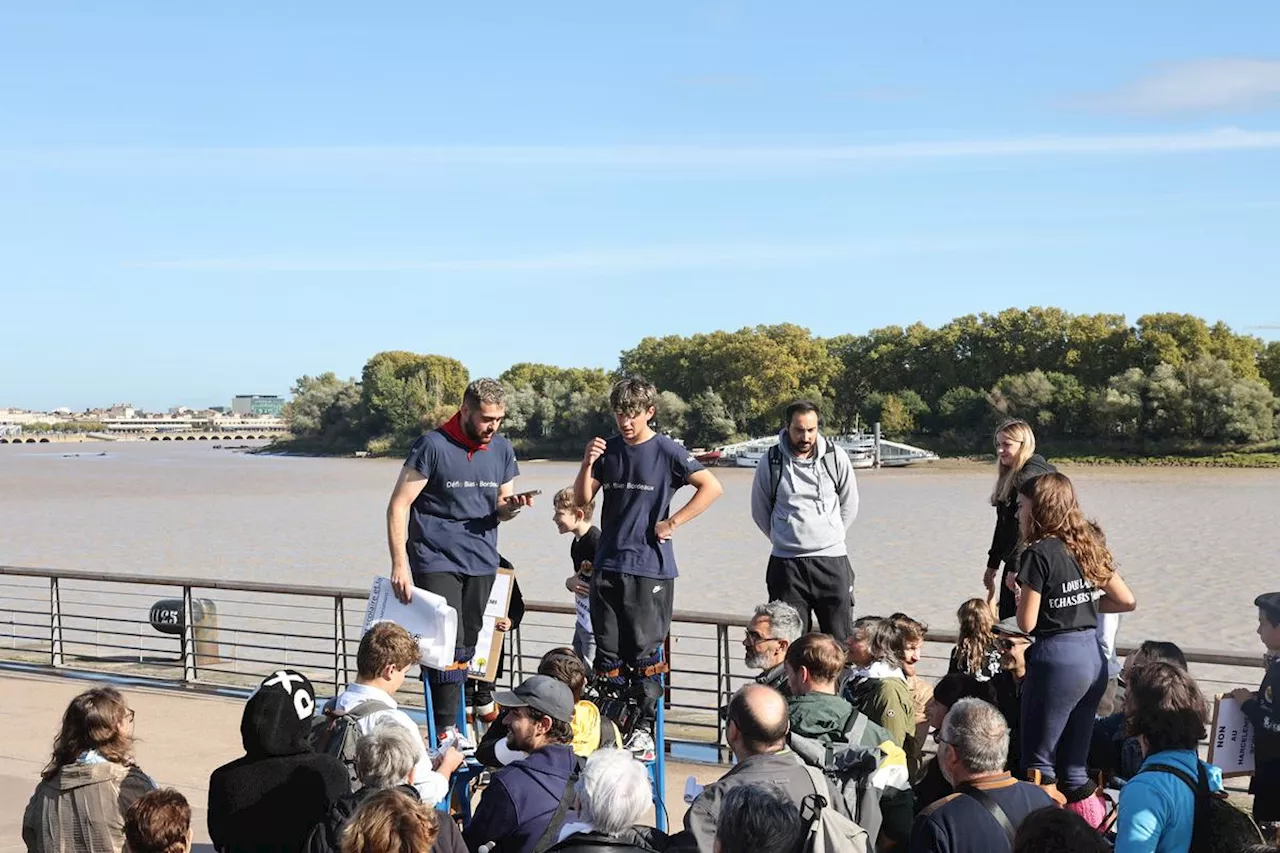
point(812, 515)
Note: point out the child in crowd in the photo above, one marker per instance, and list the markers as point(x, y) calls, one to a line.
point(1264, 715)
point(976, 652)
point(876, 684)
point(911, 636)
point(575, 518)
point(633, 582)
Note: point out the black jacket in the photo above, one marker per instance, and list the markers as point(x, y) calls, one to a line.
point(1006, 539)
point(270, 800)
point(637, 839)
point(1264, 715)
point(326, 837)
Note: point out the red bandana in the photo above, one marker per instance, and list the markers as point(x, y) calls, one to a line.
point(453, 429)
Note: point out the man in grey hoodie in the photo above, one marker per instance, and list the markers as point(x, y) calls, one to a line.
point(804, 499)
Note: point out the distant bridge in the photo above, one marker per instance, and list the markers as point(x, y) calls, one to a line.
point(107, 438)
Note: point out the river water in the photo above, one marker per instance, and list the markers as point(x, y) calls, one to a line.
point(1196, 545)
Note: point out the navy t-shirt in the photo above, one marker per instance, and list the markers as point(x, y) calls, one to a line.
point(638, 482)
point(1068, 602)
point(453, 523)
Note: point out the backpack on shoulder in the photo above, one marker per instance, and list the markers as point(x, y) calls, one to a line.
point(336, 733)
point(774, 458)
point(829, 831)
point(1219, 827)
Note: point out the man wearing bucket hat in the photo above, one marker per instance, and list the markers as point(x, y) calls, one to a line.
point(523, 801)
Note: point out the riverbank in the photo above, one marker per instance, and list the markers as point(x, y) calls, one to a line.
point(1254, 456)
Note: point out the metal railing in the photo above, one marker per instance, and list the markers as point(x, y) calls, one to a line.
point(226, 635)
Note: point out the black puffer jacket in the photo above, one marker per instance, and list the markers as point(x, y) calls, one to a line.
point(637, 839)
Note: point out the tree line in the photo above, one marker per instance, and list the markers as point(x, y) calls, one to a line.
point(1165, 380)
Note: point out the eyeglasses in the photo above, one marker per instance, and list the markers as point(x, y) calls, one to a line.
point(755, 638)
point(129, 716)
point(1006, 645)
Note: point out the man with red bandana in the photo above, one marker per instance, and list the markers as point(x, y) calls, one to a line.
point(456, 486)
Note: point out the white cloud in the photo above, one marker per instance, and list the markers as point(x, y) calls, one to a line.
point(645, 257)
point(1201, 85)
point(409, 159)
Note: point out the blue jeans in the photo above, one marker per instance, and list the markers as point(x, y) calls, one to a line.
point(1066, 677)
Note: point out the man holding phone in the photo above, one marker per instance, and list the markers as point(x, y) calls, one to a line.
point(456, 486)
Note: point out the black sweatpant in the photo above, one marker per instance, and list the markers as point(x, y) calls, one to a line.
point(630, 617)
point(469, 595)
point(815, 586)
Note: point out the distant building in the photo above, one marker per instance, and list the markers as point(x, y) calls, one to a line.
point(257, 404)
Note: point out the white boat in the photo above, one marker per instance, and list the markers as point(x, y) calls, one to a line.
point(860, 447)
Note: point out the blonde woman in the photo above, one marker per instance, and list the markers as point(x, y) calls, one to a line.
point(1016, 463)
point(1067, 576)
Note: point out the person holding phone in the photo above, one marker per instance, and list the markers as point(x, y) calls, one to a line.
point(456, 486)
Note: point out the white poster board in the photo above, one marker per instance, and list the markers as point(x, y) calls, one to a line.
point(431, 621)
point(484, 666)
point(1231, 739)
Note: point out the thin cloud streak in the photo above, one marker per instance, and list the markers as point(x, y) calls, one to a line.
point(1202, 85)
point(293, 158)
point(656, 257)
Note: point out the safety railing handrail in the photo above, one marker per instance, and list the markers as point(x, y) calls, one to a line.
point(1219, 657)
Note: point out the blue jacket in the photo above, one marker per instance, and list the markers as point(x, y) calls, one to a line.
point(1157, 810)
point(519, 803)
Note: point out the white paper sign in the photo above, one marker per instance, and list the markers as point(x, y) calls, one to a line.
point(583, 605)
point(1231, 739)
point(486, 648)
point(431, 621)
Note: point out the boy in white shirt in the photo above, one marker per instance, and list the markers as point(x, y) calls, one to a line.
point(387, 653)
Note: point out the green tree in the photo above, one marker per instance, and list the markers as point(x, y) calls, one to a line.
point(895, 417)
point(327, 409)
point(1118, 408)
point(402, 390)
point(708, 419)
point(1172, 339)
point(1025, 395)
point(673, 414)
point(1269, 366)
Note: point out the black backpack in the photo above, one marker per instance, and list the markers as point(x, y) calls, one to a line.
point(774, 457)
point(1219, 827)
point(336, 733)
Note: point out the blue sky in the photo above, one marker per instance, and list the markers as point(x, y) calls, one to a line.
point(203, 201)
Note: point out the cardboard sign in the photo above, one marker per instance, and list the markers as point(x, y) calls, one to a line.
point(1231, 739)
point(484, 666)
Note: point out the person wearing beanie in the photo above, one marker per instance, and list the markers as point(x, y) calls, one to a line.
point(270, 799)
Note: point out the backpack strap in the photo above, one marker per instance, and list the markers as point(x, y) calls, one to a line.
point(1200, 790)
point(552, 832)
point(993, 808)
point(817, 801)
point(833, 469)
point(774, 458)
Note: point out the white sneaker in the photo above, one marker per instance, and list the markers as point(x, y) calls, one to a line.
point(641, 745)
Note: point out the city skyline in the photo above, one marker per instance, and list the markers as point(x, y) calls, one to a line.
point(201, 200)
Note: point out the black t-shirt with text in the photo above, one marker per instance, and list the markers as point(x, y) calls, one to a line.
point(1068, 602)
point(583, 549)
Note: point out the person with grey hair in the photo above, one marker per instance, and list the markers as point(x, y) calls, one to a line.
point(759, 817)
point(456, 485)
point(385, 758)
point(772, 630)
point(988, 804)
point(613, 792)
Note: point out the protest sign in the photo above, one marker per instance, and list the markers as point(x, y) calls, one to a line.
point(484, 666)
point(1231, 739)
point(428, 617)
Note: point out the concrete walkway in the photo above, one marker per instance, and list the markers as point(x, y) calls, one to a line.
point(181, 738)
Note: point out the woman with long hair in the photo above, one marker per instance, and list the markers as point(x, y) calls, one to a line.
point(1066, 576)
point(90, 781)
point(976, 652)
point(1016, 463)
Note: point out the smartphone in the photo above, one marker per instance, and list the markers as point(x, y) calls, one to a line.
point(529, 494)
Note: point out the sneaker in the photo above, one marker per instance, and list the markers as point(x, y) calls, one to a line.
point(640, 744)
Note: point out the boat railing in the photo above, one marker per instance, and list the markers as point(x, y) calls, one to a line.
point(223, 636)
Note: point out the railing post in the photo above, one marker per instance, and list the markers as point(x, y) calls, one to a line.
point(55, 623)
point(339, 646)
point(722, 677)
point(188, 638)
point(517, 644)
